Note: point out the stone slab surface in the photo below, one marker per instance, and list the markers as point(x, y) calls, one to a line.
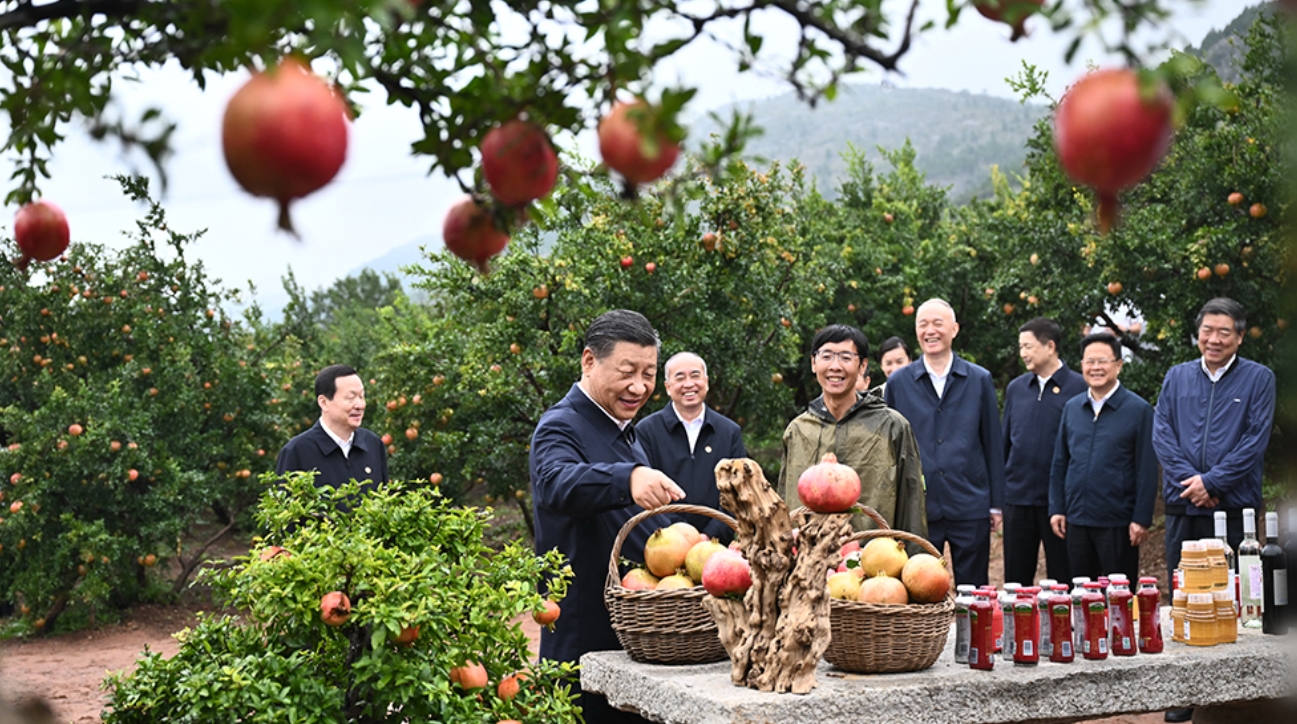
point(1258, 667)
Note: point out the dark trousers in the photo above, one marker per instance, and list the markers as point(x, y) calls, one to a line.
point(1180, 528)
point(1026, 527)
point(1095, 552)
point(970, 547)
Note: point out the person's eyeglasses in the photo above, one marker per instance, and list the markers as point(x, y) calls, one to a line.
point(827, 356)
point(1097, 362)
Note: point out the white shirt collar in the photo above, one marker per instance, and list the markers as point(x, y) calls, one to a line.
point(1098, 404)
point(344, 444)
point(692, 427)
point(1215, 377)
point(938, 380)
point(621, 424)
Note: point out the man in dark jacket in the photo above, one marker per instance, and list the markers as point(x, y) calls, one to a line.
point(685, 440)
point(1104, 480)
point(1033, 406)
point(336, 447)
point(589, 475)
point(952, 407)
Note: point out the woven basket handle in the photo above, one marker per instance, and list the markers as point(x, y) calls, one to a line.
point(892, 533)
point(868, 511)
point(614, 578)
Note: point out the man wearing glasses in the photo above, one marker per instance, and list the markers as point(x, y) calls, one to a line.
point(951, 404)
point(865, 435)
point(1104, 481)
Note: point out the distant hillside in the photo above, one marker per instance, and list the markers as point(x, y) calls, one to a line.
point(957, 136)
point(1223, 49)
point(393, 260)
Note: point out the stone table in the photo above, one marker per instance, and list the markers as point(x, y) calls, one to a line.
point(1257, 669)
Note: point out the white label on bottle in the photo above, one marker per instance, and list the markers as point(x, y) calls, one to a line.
point(1255, 581)
point(1067, 649)
point(1026, 648)
point(972, 656)
point(1103, 645)
point(1186, 629)
point(1281, 587)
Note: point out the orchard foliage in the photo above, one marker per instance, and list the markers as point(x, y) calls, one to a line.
point(406, 558)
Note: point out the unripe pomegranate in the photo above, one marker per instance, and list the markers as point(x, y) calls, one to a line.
point(285, 135)
point(624, 148)
point(844, 585)
point(335, 608)
point(829, 486)
point(1109, 134)
point(666, 550)
point(41, 230)
point(698, 556)
point(884, 556)
point(1013, 13)
point(674, 582)
point(518, 163)
point(639, 579)
point(470, 233)
point(883, 589)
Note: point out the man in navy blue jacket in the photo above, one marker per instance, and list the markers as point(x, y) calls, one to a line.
point(336, 447)
point(1104, 480)
point(685, 440)
point(1211, 431)
point(1033, 406)
point(951, 406)
point(589, 475)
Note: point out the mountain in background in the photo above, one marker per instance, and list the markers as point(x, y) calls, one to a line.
point(1223, 49)
point(407, 253)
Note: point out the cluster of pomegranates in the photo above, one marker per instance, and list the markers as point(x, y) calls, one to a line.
point(882, 572)
point(678, 556)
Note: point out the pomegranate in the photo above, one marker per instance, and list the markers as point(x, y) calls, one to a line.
point(829, 486)
point(285, 135)
point(1109, 134)
point(852, 564)
point(675, 581)
point(407, 635)
point(518, 162)
point(1013, 13)
point(666, 550)
point(548, 616)
point(883, 589)
point(727, 575)
point(639, 579)
point(883, 557)
point(41, 230)
point(625, 149)
point(690, 532)
point(471, 675)
point(510, 685)
point(698, 556)
point(471, 234)
point(926, 578)
point(845, 586)
point(272, 552)
point(335, 608)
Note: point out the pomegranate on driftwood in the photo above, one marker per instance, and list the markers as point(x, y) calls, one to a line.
point(777, 634)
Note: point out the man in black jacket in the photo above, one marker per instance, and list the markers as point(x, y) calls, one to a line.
point(685, 440)
point(336, 447)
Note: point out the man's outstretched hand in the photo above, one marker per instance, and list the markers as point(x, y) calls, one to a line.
point(652, 488)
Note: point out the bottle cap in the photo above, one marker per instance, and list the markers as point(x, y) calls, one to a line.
point(1117, 577)
point(1080, 581)
point(1213, 544)
point(1059, 588)
point(1219, 515)
point(965, 588)
point(1011, 587)
point(1249, 521)
point(1192, 546)
point(1272, 525)
point(1029, 591)
point(1094, 586)
point(1152, 580)
point(1046, 583)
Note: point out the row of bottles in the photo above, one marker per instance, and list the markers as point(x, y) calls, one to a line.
point(1263, 587)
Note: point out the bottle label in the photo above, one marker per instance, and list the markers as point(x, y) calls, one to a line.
point(1281, 587)
point(1067, 649)
point(1026, 648)
point(1255, 581)
point(1186, 629)
point(972, 656)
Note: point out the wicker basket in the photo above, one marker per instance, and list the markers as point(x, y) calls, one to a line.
point(873, 638)
point(663, 627)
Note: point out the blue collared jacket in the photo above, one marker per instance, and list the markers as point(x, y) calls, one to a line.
point(315, 450)
point(1031, 417)
point(666, 442)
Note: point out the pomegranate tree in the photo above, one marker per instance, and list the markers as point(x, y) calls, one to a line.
point(625, 147)
point(829, 486)
point(1013, 13)
point(470, 233)
point(285, 135)
point(518, 162)
point(1110, 131)
point(41, 230)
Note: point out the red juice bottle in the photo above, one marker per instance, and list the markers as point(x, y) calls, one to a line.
point(1150, 616)
point(1121, 615)
point(981, 625)
point(1060, 627)
point(993, 595)
point(1096, 622)
point(1026, 627)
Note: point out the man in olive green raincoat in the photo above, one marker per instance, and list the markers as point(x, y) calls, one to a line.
point(865, 434)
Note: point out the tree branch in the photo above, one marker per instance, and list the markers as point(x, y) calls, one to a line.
point(27, 15)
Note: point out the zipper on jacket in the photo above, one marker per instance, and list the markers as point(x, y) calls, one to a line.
point(1206, 427)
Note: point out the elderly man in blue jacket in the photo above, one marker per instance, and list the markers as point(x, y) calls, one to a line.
point(589, 475)
point(1104, 480)
point(951, 406)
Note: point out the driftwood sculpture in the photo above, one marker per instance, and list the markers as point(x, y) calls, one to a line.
point(776, 635)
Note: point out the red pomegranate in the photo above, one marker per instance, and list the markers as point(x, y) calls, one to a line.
point(1011, 12)
point(407, 635)
point(727, 575)
point(285, 135)
point(335, 608)
point(926, 578)
point(41, 230)
point(548, 616)
point(470, 233)
point(1109, 134)
point(625, 150)
point(519, 163)
point(639, 579)
point(471, 675)
point(829, 486)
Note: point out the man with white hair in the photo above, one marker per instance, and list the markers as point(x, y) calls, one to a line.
point(685, 440)
point(951, 406)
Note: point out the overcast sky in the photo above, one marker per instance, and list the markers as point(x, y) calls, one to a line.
point(384, 198)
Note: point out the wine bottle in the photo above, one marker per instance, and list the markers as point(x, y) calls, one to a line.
point(1274, 568)
point(1290, 552)
point(1249, 569)
point(1222, 534)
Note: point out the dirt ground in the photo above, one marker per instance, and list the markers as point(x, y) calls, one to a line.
point(66, 671)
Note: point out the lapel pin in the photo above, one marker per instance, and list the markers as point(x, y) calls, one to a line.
point(1055, 390)
point(367, 470)
point(707, 449)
